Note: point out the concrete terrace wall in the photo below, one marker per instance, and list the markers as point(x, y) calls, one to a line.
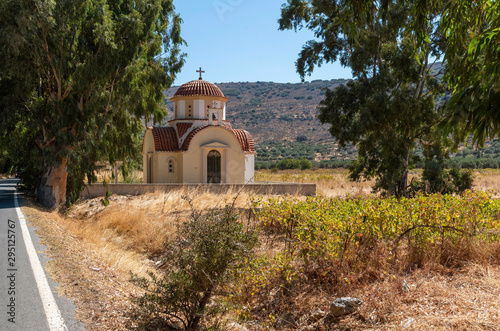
point(98, 190)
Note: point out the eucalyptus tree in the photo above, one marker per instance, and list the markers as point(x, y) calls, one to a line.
point(390, 105)
point(81, 76)
point(472, 32)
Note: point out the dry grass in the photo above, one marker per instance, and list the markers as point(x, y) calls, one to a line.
point(144, 223)
point(94, 247)
point(107, 174)
point(329, 182)
point(437, 299)
point(85, 272)
point(335, 182)
point(487, 180)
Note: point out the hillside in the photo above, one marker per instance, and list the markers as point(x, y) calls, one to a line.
point(275, 111)
point(281, 118)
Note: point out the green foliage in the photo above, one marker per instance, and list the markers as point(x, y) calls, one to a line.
point(301, 164)
point(201, 260)
point(391, 104)
point(107, 195)
point(335, 245)
point(305, 164)
point(301, 138)
point(325, 233)
point(78, 77)
point(276, 150)
point(462, 180)
point(288, 164)
point(435, 179)
point(6, 162)
point(25, 156)
point(270, 152)
point(472, 31)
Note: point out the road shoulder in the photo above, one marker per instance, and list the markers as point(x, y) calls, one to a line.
point(100, 295)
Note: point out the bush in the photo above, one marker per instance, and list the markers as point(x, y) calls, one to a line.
point(437, 180)
point(200, 262)
point(469, 164)
point(301, 138)
point(326, 233)
point(5, 165)
point(462, 180)
point(489, 164)
point(340, 246)
point(305, 164)
point(288, 164)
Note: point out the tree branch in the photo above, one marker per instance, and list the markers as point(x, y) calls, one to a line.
point(440, 227)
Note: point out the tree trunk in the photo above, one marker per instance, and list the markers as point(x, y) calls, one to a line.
point(403, 181)
point(52, 190)
point(199, 311)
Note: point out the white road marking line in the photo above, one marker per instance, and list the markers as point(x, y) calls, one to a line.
point(54, 318)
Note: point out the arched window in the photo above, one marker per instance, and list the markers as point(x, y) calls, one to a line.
point(171, 166)
point(213, 167)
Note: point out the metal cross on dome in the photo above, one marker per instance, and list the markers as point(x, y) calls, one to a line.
point(200, 71)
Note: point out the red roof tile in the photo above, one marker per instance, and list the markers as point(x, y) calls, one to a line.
point(165, 139)
point(244, 138)
point(182, 128)
point(199, 87)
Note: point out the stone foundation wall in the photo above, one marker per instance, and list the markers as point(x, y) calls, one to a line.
point(98, 189)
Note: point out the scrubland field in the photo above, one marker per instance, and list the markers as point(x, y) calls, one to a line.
point(432, 262)
point(334, 182)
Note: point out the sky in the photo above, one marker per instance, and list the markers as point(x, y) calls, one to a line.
point(239, 41)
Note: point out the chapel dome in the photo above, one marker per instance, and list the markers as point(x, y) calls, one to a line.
point(199, 87)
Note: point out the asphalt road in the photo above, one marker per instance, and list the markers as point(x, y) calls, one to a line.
point(28, 300)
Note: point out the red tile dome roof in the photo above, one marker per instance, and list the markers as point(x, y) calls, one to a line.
point(244, 137)
point(199, 87)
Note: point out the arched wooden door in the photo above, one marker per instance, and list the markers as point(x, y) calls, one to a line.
point(213, 167)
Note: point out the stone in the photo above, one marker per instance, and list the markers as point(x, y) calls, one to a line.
point(344, 306)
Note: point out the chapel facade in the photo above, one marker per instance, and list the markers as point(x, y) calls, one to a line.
point(199, 145)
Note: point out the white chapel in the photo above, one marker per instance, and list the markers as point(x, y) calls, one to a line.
point(199, 145)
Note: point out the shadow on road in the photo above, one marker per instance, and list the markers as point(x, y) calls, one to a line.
point(7, 191)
